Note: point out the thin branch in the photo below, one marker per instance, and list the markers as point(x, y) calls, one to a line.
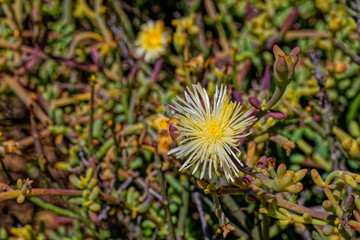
point(291, 206)
point(343, 48)
point(92, 68)
point(327, 113)
point(196, 197)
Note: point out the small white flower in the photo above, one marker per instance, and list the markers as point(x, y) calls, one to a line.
point(209, 134)
point(151, 41)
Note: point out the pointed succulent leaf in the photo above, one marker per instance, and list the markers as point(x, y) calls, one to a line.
point(281, 170)
point(295, 188)
point(317, 178)
point(299, 175)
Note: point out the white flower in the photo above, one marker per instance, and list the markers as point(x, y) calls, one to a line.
point(209, 134)
point(151, 41)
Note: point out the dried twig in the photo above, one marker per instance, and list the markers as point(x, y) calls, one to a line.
point(343, 48)
point(196, 197)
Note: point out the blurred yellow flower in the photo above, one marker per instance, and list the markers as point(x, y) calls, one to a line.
point(151, 41)
point(209, 136)
point(186, 24)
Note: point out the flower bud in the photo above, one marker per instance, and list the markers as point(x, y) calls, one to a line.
point(262, 162)
point(20, 198)
point(19, 183)
point(247, 179)
point(350, 203)
point(284, 66)
point(173, 133)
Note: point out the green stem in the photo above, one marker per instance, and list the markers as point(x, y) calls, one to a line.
point(55, 209)
point(101, 22)
point(256, 232)
point(118, 163)
point(66, 14)
point(184, 207)
point(275, 97)
point(238, 214)
point(291, 206)
point(265, 227)
point(163, 195)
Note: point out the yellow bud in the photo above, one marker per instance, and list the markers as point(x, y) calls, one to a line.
point(20, 198)
point(307, 217)
point(19, 183)
point(92, 78)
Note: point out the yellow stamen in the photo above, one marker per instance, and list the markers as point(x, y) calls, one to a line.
point(214, 129)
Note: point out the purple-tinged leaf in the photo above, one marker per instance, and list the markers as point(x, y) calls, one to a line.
point(95, 56)
point(237, 96)
point(251, 11)
point(276, 115)
point(266, 79)
point(156, 70)
point(255, 102)
point(290, 20)
point(316, 118)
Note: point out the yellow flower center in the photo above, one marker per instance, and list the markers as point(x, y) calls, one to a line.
point(214, 129)
point(154, 39)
